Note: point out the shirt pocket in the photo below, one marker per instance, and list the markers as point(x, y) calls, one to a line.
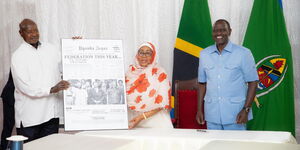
point(232, 71)
point(207, 100)
point(236, 104)
point(210, 71)
point(237, 100)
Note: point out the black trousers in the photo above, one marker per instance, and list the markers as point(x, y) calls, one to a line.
point(38, 131)
point(8, 122)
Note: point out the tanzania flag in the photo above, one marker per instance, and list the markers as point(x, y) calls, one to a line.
point(194, 34)
point(267, 38)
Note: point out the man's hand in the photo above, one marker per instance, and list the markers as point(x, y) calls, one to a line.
point(135, 121)
point(200, 118)
point(62, 85)
point(201, 94)
point(242, 117)
point(76, 37)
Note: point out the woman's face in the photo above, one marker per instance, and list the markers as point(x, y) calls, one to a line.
point(144, 56)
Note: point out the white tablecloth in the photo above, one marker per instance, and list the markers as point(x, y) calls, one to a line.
point(77, 142)
point(166, 139)
point(237, 145)
point(188, 139)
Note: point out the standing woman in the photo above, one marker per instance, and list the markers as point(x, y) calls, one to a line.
point(148, 91)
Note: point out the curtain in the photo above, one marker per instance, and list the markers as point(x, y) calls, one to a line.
point(132, 21)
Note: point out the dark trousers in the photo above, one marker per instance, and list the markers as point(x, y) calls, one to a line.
point(38, 131)
point(8, 122)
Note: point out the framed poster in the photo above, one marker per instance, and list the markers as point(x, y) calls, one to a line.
point(96, 98)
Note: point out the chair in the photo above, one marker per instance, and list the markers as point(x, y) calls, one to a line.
point(186, 101)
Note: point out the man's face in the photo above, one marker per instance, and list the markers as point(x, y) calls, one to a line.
point(221, 33)
point(30, 34)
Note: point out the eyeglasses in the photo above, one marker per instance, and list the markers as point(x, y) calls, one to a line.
point(141, 53)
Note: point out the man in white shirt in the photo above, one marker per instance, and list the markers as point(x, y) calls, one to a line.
point(35, 70)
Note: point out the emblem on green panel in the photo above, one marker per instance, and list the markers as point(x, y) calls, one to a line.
point(271, 72)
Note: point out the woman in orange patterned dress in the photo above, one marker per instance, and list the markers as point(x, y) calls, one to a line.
point(148, 91)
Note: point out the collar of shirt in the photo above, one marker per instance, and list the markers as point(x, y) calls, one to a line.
point(228, 48)
point(30, 46)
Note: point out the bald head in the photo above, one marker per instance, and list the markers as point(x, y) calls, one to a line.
point(29, 31)
point(24, 23)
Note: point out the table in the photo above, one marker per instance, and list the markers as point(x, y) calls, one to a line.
point(77, 142)
point(164, 139)
point(236, 145)
point(189, 139)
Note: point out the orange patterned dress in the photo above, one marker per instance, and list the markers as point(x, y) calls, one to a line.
point(148, 87)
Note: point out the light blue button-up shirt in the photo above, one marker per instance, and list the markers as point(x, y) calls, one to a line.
point(226, 75)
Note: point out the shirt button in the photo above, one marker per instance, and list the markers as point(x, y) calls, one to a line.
point(218, 87)
point(219, 76)
point(219, 97)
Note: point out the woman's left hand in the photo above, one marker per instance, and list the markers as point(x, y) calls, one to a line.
point(134, 122)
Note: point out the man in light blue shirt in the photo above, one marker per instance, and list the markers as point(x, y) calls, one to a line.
point(228, 80)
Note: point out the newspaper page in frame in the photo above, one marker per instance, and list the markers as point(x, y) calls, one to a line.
point(96, 98)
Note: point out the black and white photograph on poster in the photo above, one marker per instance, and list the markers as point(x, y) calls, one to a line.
point(95, 92)
point(96, 96)
point(77, 93)
point(115, 91)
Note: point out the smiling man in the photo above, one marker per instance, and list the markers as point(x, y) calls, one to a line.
point(227, 80)
point(36, 75)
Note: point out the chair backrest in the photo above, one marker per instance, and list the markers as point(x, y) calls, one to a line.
point(186, 103)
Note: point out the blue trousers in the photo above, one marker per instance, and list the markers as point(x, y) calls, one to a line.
point(234, 126)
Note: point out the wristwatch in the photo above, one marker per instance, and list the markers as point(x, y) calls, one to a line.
point(247, 109)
